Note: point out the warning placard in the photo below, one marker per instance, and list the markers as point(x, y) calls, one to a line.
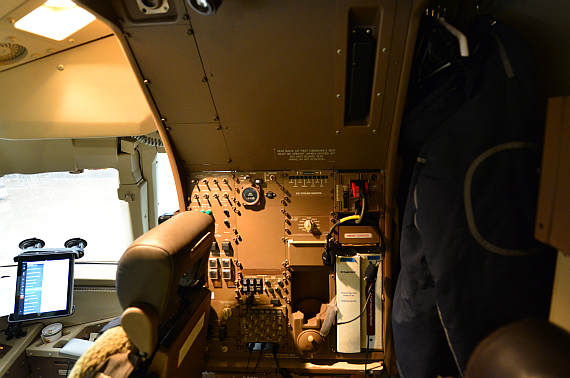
point(308, 154)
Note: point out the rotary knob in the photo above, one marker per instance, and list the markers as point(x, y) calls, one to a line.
point(309, 225)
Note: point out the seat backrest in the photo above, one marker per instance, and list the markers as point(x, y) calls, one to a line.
point(151, 268)
point(529, 348)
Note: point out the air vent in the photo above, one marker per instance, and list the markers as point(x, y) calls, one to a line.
point(11, 52)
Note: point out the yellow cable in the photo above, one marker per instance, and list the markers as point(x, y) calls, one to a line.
point(350, 217)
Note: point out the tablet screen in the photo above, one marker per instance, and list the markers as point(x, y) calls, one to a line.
point(44, 287)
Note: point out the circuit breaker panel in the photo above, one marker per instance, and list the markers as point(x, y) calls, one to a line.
point(270, 288)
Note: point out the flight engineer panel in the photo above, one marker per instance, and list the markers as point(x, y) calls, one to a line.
point(270, 287)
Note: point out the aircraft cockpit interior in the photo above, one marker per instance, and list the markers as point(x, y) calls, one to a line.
point(327, 188)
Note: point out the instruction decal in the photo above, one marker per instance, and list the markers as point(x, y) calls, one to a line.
point(306, 154)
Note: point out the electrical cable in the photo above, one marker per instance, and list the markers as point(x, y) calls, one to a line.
point(362, 211)
point(149, 141)
point(282, 371)
point(250, 347)
point(361, 312)
point(259, 357)
point(274, 350)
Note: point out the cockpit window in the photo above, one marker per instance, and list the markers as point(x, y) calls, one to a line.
point(59, 206)
point(167, 199)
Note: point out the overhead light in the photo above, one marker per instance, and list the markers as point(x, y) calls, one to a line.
point(56, 19)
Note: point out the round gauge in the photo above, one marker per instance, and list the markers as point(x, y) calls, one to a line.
point(250, 195)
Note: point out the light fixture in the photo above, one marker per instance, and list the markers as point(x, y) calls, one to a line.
point(56, 19)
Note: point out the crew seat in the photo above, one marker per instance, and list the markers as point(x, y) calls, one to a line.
point(160, 285)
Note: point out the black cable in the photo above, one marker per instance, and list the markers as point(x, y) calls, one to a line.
point(361, 312)
point(259, 357)
point(250, 346)
point(274, 350)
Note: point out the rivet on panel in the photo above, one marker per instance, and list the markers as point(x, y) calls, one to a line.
point(163, 119)
point(60, 67)
point(71, 40)
point(167, 128)
point(204, 79)
point(185, 17)
point(216, 119)
point(338, 131)
point(11, 21)
point(219, 127)
point(378, 94)
point(11, 39)
point(374, 131)
point(146, 81)
point(50, 51)
point(385, 50)
point(35, 56)
point(338, 95)
point(190, 32)
point(339, 51)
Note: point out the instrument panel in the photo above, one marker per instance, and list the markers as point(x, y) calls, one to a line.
point(269, 286)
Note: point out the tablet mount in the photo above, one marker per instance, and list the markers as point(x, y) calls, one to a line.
point(34, 246)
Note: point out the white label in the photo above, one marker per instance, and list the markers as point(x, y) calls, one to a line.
point(190, 340)
point(358, 235)
point(307, 154)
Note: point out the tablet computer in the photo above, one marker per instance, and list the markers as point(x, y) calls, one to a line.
point(44, 285)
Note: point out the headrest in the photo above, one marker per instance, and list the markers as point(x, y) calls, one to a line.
point(529, 348)
point(150, 269)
